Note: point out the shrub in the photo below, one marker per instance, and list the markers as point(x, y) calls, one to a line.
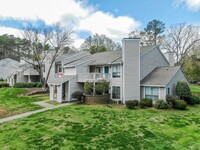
point(148, 102)
point(183, 91)
point(195, 99)
point(78, 95)
point(142, 104)
point(1, 79)
point(161, 104)
point(131, 104)
point(180, 104)
point(102, 87)
point(25, 85)
point(39, 85)
point(88, 88)
point(4, 85)
point(170, 99)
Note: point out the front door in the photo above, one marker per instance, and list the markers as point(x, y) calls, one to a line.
point(106, 69)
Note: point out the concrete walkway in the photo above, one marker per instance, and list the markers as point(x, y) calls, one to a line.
point(42, 103)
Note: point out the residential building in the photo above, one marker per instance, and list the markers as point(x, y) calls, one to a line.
point(134, 72)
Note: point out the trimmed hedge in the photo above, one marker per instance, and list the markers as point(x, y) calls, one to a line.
point(161, 104)
point(77, 94)
point(183, 91)
point(180, 104)
point(28, 84)
point(148, 102)
point(170, 99)
point(195, 99)
point(131, 104)
point(4, 85)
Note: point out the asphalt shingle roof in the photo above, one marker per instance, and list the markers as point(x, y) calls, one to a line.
point(160, 75)
point(110, 57)
point(60, 80)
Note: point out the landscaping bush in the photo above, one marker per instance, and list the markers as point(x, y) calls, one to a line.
point(148, 102)
point(180, 104)
point(102, 87)
point(78, 95)
point(183, 91)
point(4, 85)
point(131, 104)
point(1, 79)
point(25, 85)
point(39, 84)
point(161, 104)
point(142, 104)
point(88, 88)
point(170, 99)
point(195, 99)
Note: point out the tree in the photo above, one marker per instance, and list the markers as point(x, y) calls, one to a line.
point(99, 43)
point(146, 38)
point(155, 27)
point(182, 39)
point(43, 43)
point(191, 66)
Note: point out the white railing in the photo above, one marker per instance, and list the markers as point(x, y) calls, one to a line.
point(84, 77)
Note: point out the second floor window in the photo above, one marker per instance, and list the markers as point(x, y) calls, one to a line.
point(116, 71)
point(58, 68)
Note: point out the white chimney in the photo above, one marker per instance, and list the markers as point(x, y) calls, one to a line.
point(170, 58)
point(131, 68)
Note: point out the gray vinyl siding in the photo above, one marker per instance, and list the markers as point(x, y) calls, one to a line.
point(162, 93)
point(74, 86)
point(131, 69)
point(179, 76)
point(83, 68)
point(151, 60)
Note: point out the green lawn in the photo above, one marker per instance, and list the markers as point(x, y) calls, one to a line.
point(99, 127)
point(11, 103)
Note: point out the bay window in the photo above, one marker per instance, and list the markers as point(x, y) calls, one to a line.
point(151, 93)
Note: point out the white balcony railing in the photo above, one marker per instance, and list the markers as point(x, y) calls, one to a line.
point(84, 77)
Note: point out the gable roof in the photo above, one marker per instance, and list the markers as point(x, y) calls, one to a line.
point(60, 80)
point(160, 76)
point(110, 57)
point(8, 67)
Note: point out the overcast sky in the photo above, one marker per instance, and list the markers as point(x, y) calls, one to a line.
point(115, 18)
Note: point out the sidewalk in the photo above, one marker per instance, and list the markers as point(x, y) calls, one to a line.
point(41, 103)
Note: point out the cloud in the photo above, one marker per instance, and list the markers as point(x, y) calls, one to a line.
point(10, 31)
point(192, 5)
point(79, 15)
point(105, 23)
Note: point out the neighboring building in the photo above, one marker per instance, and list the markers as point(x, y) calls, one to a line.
point(14, 71)
point(7, 68)
point(132, 73)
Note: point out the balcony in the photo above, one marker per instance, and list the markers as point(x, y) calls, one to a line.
point(92, 77)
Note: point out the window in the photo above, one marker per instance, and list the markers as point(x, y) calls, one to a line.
point(116, 71)
point(116, 92)
point(151, 93)
point(98, 69)
point(43, 66)
point(168, 90)
point(58, 68)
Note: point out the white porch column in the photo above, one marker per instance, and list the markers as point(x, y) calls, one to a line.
point(51, 92)
point(29, 78)
point(59, 93)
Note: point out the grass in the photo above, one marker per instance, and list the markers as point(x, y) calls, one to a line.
point(99, 127)
point(11, 103)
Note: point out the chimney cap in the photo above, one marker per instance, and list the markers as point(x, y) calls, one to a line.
point(132, 38)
